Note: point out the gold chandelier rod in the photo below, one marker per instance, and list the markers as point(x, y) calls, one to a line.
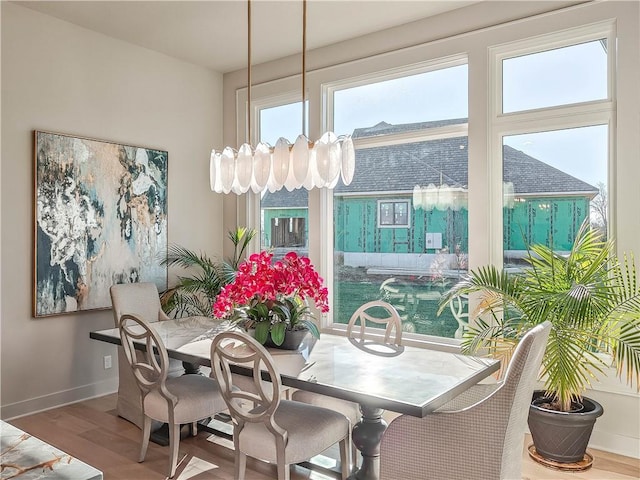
point(248, 114)
point(304, 68)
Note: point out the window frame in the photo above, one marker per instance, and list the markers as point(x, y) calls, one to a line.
point(485, 134)
point(426, 134)
point(559, 117)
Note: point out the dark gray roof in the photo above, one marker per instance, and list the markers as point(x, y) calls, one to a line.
point(438, 162)
point(384, 128)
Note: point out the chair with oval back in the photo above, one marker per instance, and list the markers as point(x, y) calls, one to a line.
point(265, 426)
point(140, 299)
point(377, 312)
point(175, 401)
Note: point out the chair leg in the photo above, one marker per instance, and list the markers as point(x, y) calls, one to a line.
point(146, 432)
point(284, 470)
point(240, 464)
point(174, 443)
point(194, 429)
point(355, 454)
point(344, 457)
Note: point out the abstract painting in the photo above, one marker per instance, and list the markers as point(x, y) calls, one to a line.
point(100, 217)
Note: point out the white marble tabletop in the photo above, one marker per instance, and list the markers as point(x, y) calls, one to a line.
point(410, 380)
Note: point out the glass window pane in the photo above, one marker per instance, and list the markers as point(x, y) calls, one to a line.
point(401, 232)
point(561, 76)
point(284, 214)
point(553, 181)
point(435, 95)
point(281, 121)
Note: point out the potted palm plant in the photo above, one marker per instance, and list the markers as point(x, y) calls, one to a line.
point(592, 299)
point(195, 294)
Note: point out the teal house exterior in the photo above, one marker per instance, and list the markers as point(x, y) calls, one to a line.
point(391, 210)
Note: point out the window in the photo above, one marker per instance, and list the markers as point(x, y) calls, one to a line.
point(400, 228)
point(287, 232)
point(560, 76)
point(558, 180)
point(283, 214)
point(459, 161)
point(393, 213)
point(555, 172)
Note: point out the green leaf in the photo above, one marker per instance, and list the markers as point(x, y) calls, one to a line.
point(277, 333)
point(262, 331)
point(311, 327)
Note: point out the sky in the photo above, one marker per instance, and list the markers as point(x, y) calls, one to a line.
point(555, 77)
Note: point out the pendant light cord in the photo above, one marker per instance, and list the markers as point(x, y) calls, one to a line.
point(304, 67)
point(248, 114)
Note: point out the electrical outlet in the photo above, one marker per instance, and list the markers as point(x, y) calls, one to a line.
point(107, 361)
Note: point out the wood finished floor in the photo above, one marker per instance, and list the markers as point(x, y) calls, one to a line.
point(93, 433)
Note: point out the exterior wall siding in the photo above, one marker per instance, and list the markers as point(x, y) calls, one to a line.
point(528, 222)
point(356, 228)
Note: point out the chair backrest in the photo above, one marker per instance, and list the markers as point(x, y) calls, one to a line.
point(385, 314)
point(518, 385)
point(141, 299)
point(259, 404)
point(151, 366)
point(459, 309)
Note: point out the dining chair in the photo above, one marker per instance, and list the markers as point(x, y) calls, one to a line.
point(175, 401)
point(142, 300)
point(478, 435)
point(380, 313)
point(265, 426)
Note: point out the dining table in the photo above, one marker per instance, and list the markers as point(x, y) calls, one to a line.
point(408, 380)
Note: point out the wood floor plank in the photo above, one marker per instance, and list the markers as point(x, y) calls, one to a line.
point(92, 432)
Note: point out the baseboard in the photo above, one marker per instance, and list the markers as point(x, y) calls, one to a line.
point(58, 399)
point(612, 443)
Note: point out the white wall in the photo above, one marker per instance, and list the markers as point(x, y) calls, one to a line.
point(62, 78)
point(471, 31)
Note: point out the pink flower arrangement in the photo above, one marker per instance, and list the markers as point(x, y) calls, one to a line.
point(272, 296)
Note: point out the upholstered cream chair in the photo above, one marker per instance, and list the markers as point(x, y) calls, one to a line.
point(478, 435)
point(380, 313)
point(264, 426)
point(175, 401)
point(143, 300)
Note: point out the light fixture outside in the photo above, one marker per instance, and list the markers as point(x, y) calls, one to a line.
point(304, 164)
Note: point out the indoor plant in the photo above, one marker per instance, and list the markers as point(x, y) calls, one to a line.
point(195, 294)
point(592, 299)
point(271, 297)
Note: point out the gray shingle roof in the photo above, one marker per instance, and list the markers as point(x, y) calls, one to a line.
point(401, 167)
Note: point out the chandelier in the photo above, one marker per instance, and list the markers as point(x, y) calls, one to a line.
point(442, 197)
point(445, 197)
point(301, 164)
